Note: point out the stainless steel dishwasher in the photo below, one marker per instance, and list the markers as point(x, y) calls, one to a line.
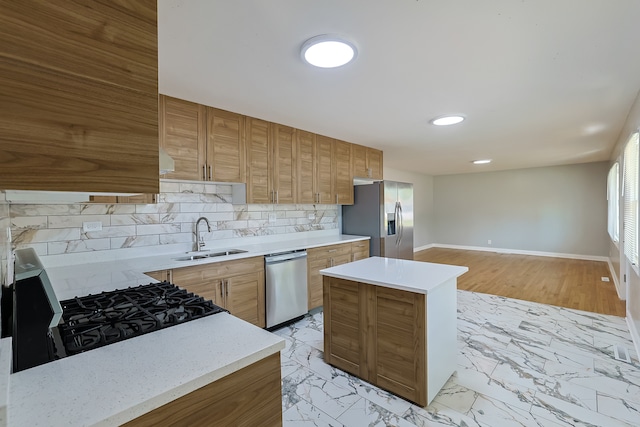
point(286, 286)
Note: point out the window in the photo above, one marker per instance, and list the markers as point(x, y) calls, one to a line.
point(630, 193)
point(613, 190)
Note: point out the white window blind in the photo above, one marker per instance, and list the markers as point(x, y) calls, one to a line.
point(613, 191)
point(630, 192)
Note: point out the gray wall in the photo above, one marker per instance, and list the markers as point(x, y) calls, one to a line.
point(422, 203)
point(560, 209)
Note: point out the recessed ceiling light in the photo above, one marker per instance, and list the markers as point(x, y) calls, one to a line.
point(447, 120)
point(481, 162)
point(328, 51)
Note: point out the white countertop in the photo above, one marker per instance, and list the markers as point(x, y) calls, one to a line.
point(412, 276)
point(69, 281)
point(119, 382)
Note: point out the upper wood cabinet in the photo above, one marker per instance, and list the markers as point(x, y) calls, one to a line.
point(342, 185)
point(324, 175)
point(284, 163)
point(366, 162)
point(259, 154)
point(207, 144)
point(306, 167)
point(79, 98)
point(225, 146)
point(183, 126)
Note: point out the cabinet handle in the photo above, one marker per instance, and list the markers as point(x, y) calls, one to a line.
point(319, 198)
point(221, 290)
point(331, 260)
point(226, 288)
point(210, 173)
point(332, 250)
point(353, 257)
point(204, 172)
point(276, 196)
point(337, 199)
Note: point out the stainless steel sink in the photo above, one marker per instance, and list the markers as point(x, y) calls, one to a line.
point(204, 255)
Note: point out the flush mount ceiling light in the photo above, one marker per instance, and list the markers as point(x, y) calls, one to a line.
point(447, 120)
point(328, 51)
point(481, 162)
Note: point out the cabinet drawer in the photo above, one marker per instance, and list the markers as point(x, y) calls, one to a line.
point(330, 251)
point(359, 250)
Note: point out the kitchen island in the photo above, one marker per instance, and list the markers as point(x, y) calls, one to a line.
point(392, 322)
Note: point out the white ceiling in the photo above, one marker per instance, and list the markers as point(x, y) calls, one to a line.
point(542, 82)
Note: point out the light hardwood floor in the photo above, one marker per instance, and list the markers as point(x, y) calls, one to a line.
point(562, 282)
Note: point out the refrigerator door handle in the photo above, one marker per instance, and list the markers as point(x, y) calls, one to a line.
point(400, 222)
point(396, 213)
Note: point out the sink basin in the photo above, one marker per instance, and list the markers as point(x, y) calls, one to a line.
point(204, 255)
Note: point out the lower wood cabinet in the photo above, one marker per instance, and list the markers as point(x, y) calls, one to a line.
point(251, 396)
point(321, 258)
point(377, 334)
point(236, 285)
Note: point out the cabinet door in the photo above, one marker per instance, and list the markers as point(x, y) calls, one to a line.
point(315, 262)
point(324, 177)
point(344, 306)
point(258, 144)
point(79, 99)
point(284, 163)
point(225, 146)
point(305, 169)
point(400, 364)
point(200, 281)
point(160, 275)
point(342, 178)
point(244, 297)
point(183, 136)
point(359, 250)
point(374, 163)
point(359, 161)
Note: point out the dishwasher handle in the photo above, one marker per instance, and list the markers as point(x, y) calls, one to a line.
point(286, 256)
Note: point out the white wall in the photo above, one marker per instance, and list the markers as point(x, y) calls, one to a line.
point(559, 209)
point(633, 280)
point(422, 203)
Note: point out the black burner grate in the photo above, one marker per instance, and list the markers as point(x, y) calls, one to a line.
point(97, 320)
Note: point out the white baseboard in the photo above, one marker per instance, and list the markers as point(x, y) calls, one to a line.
point(422, 248)
point(521, 252)
point(634, 333)
point(616, 282)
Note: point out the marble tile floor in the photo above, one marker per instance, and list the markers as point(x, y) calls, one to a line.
point(519, 364)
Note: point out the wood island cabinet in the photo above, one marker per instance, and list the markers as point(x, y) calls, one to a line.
point(235, 285)
point(329, 256)
point(377, 334)
point(79, 99)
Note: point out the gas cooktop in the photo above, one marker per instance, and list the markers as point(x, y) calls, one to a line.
point(97, 320)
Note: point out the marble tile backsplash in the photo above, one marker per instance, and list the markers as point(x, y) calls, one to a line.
point(54, 229)
point(4, 244)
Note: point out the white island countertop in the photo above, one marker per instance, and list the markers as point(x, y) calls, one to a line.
point(413, 276)
point(119, 382)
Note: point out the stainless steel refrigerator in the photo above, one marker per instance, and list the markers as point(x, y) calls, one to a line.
point(384, 211)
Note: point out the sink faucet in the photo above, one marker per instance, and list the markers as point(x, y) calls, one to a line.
point(199, 244)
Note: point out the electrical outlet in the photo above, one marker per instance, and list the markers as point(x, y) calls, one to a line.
point(272, 217)
point(489, 241)
point(311, 216)
point(91, 226)
point(604, 278)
